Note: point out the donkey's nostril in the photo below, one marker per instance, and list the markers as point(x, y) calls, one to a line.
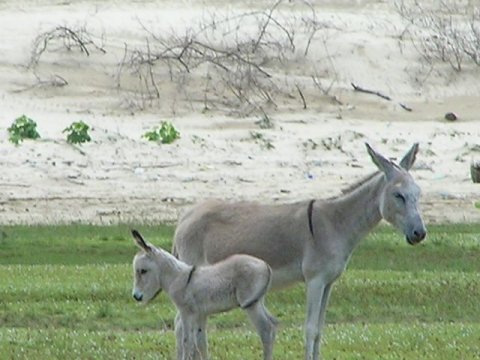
point(137, 297)
point(420, 234)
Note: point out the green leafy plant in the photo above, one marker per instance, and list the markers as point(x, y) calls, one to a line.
point(22, 128)
point(165, 133)
point(261, 140)
point(265, 122)
point(77, 132)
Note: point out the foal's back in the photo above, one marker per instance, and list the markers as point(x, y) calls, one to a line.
point(240, 280)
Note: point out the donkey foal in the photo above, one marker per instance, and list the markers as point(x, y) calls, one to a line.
point(238, 281)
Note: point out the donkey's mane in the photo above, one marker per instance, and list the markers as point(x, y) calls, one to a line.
point(357, 184)
point(353, 187)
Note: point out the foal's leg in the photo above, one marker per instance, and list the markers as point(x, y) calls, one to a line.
point(179, 336)
point(194, 343)
point(201, 337)
point(265, 324)
point(315, 290)
point(188, 340)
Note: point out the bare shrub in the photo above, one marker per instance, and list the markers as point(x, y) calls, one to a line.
point(241, 62)
point(64, 38)
point(235, 58)
point(448, 31)
point(58, 39)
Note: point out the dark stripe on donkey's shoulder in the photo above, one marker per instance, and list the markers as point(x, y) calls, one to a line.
point(310, 213)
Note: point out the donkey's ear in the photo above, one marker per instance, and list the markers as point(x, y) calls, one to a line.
point(383, 164)
point(409, 158)
point(141, 243)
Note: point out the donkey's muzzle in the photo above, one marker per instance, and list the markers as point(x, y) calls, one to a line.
point(416, 236)
point(137, 297)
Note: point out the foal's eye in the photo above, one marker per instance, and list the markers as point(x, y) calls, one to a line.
point(399, 197)
point(143, 271)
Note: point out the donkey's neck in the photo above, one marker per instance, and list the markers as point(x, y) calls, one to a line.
point(170, 268)
point(357, 212)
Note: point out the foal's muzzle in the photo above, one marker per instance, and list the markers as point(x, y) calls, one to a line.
point(137, 297)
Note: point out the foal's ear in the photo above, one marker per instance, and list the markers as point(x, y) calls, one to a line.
point(409, 158)
point(383, 164)
point(141, 243)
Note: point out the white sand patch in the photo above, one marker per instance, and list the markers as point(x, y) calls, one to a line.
point(120, 177)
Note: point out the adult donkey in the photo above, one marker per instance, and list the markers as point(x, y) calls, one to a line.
point(309, 241)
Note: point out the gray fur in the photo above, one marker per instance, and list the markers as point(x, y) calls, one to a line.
point(237, 281)
point(280, 234)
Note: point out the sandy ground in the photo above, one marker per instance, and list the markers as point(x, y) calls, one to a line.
point(120, 177)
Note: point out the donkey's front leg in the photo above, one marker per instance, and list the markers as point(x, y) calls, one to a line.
point(316, 288)
point(321, 322)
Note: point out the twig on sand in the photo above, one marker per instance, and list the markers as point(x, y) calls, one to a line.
point(15, 185)
point(301, 95)
point(379, 94)
point(373, 92)
point(405, 107)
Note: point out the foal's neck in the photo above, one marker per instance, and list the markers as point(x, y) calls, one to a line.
point(357, 212)
point(170, 268)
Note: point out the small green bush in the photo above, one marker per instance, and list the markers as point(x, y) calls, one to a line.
point(22, 128)
point(261, 140)
point(165, 133)
point(77, 133)
point(265, 123)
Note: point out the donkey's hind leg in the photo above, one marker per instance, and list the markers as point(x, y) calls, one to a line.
point(265, 324)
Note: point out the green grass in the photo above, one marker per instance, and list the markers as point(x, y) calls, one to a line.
point(75, 244)
point(65, 292)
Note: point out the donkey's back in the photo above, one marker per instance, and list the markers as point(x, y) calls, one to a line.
point(213, 230)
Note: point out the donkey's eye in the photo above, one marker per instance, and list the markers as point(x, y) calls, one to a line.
point(399, 197)
point(143, 271)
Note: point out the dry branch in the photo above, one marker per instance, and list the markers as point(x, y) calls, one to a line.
point(447, 31)
point(64, 37)
point(301, 96)
point(373, 92)
point(379, 94)
point(236, 59)
point(405, 107)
